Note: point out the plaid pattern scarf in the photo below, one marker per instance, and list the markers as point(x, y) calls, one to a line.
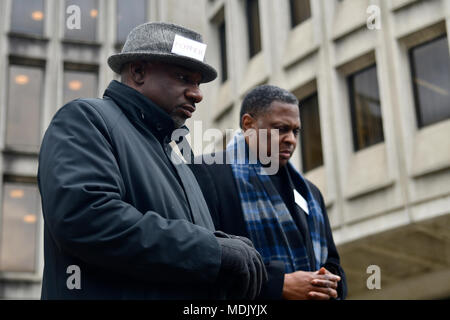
point(268, 220)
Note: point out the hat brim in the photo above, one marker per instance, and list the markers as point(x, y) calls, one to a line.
point(116, 62)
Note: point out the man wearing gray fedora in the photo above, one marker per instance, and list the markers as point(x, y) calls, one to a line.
point(122, 218)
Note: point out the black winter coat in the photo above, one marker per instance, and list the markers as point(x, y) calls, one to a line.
point(135, 224)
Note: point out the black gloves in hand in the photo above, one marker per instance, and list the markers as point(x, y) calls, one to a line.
point(242, 268)
point(221, 234)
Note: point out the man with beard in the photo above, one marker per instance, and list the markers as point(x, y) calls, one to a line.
point(123, 220)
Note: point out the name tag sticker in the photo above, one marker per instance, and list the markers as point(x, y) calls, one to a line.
point(188, 48)
point(301, 201)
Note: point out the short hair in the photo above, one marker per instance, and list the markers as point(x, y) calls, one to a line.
point(259, 99)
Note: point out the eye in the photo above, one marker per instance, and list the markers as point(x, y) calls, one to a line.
point(283, 129)
point(187, 79)
point(184, 78)
point(296, 132)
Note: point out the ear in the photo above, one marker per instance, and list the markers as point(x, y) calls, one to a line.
point(137, 72)
point(248, 122)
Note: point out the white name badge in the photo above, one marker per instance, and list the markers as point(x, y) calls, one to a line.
point(188, 48)
point(302, 203)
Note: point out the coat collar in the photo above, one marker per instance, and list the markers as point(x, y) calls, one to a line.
point(141, 109)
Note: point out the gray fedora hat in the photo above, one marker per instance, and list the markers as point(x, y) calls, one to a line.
point(164, 42)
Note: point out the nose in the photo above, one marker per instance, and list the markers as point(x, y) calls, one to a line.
point(194, 94)
point(290, 138)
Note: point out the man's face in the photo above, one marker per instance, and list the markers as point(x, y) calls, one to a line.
point(286, 118)
point(173, 88)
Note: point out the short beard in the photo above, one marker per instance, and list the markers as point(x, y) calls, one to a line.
point(178, 122)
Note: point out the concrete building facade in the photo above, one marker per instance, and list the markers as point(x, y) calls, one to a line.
point(363, 69)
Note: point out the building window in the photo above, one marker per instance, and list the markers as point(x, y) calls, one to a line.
point(365, 108)
point(130, 13)
point(25, 89)
point(88, 22)
point(223, 51)
point(79, 83)
point(430, 65)
point(253, 26)
point(310, 136)
point(300, 11)
point(28, 17)
point(19, 225)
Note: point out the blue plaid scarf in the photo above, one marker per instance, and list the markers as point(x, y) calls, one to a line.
point(268, 220)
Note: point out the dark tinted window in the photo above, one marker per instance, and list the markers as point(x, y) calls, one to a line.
point(25, 88)
point(19, 225)
point(130, 13)
point(223, 51)
point(254, 28)
point(310, 136)
point(300, 11)
point(27, 16)
point(430, 64)
point(365, 108)
point(88, 23)
point(79, 84)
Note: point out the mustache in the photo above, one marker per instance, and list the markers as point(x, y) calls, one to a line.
point(290, 150)
point(189, 106)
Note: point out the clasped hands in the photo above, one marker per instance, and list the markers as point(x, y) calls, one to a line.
point(304, 285)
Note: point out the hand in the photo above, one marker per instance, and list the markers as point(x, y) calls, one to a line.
point(304, 285)
point(242, 269)
point(331, 281)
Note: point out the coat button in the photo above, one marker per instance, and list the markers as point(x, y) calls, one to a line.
point(159, 127)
